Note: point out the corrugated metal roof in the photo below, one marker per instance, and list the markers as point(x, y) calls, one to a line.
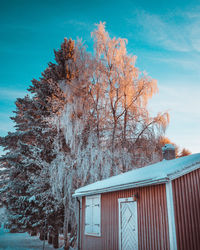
point(160, 172)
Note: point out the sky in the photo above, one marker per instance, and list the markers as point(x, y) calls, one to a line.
point(164, 35)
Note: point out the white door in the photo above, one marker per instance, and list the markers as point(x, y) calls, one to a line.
point(128, 230)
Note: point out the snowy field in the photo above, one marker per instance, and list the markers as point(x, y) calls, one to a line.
point(21, 241)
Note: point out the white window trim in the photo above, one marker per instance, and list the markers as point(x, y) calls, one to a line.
point(121, 200)
point(92, 197)
point(171, 217)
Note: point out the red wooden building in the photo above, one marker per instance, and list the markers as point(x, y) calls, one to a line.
point(154, 207)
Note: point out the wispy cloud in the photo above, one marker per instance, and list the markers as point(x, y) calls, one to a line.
point(11, 94)
point(163, 32)
point(189, 63)
point(178, 31)
point(79, 25)
point(178, 98)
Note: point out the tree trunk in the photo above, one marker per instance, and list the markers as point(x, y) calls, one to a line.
point(66, 241)
point(112, 149)
point(66, 226)
point(41, 235)
point(55, 239)
point(50, 238)
point(74, 236)
point(46, 236)
point(66, 220)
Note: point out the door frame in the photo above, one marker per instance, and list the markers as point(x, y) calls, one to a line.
point(124, 200)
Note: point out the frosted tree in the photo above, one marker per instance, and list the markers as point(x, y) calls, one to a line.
point(51, 93)
point(124, 92)
point(18, 173)
point(23, 160)
point(72, 123)
point(104, 121)
point(4, 178)
point(30, 149)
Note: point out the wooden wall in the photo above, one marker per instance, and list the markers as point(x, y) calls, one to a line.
point(152, 220)
point(186, 195)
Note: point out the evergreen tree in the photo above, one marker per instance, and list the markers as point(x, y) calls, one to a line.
point(30, 149)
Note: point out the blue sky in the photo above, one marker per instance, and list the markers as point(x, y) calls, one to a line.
point(164, 35)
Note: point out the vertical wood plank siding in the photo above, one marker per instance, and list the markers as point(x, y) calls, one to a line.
point(186, 195)
point(152, 220)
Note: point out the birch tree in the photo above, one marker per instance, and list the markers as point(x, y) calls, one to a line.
point(125, 92)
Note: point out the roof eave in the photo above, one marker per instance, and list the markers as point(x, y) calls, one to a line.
point(184, 171)
point(122, 187)
point(142, 183)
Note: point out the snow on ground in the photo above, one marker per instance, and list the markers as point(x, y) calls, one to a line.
point(21, 241)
